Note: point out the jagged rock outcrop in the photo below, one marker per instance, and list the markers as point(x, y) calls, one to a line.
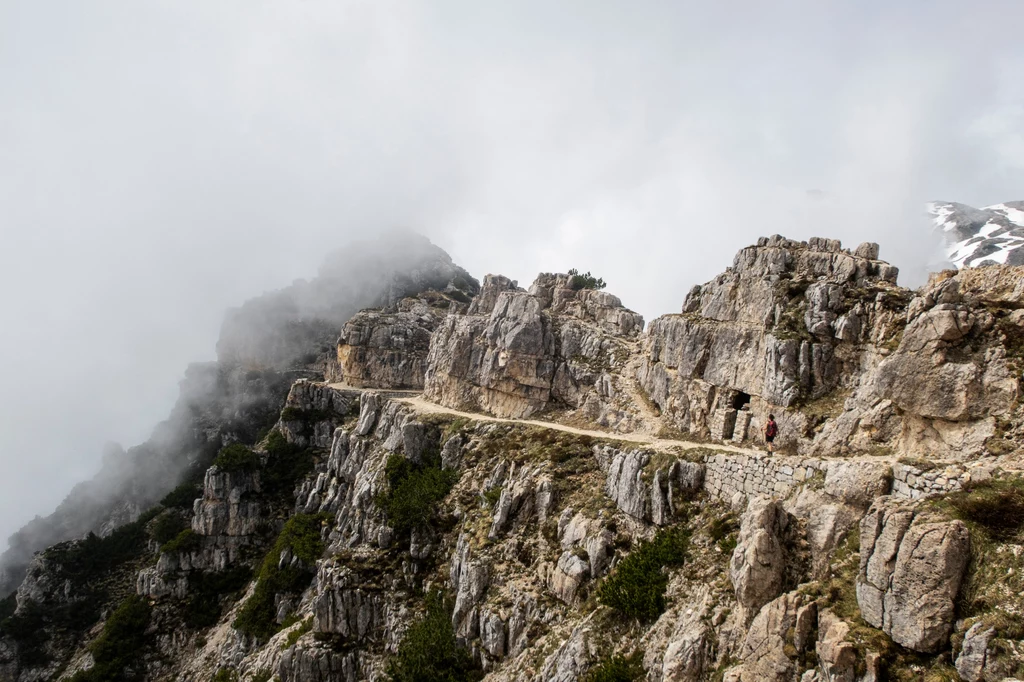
point(911, 567)
point(518, 351)
point(387, 348)
point(764, 649)
point(758, 563)
point(781, 326)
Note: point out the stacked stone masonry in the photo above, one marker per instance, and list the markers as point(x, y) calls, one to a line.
point(726, 475)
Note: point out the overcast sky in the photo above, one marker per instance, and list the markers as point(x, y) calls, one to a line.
point(161, 160)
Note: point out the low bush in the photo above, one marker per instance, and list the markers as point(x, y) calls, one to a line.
point(225, 675)
point(637, 586)
point(167, 526)
point(585, 280)
point(206, 593)
point(459, 296)
point(183, 496)
point(410, 499)
point(298, 632)
point(616, 669)
point(286, 464)
point(429, 651)
point(28, 630)
point(237, 457)
point(185, 541)
point(116, 652)
point(301, 536)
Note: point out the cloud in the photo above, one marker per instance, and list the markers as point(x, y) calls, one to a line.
point(163, 161)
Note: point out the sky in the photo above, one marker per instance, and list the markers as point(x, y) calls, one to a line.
point(162, 160)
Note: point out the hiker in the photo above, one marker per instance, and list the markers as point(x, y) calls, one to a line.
point(771, 429)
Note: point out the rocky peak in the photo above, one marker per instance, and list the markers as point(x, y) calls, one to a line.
point(517, 352)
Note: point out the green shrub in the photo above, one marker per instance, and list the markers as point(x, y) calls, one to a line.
point(997, 505)
point(579, 281)
point(429, 651)
point(286, 464)
point(117, 649)
point(237, 457)
point(206, 591)
point(185, 541)
point(7, 606)
point(300, 535)
point(183, 496)
point(297, 414)
point(616, 669)
point(262, 675)
point(459, 296)
point(167, 526)
point(225, 675)
point(637, 586)
point(410, 499)
point(298, 632)
point(28, 630)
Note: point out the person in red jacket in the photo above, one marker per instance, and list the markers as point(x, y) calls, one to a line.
point(771, 429)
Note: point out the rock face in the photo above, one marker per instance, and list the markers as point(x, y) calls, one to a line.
point(388, 348)
point(911, 568)
point(758, 563)
point(848, 361)
point(518, 351)
point(781, 326)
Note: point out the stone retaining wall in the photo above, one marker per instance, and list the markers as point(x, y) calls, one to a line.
point(727, 474)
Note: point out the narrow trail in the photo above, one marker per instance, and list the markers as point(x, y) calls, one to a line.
point(415, 400)
point(422, 406)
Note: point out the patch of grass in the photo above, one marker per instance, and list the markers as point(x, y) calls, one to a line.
point(492, 496)
point(237, 457)
point(429, 651)
point(298, 632)
point(301, 536)
point(637, 586)
point(116, 652)
point(997, 505)
point(616, 669)
point(184, 542)
point(917, 463)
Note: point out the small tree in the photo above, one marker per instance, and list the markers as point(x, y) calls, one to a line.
point(586, 280)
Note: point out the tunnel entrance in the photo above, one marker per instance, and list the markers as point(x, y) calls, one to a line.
point(740, 400)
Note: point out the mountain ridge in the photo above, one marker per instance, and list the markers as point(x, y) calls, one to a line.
point(559, 536)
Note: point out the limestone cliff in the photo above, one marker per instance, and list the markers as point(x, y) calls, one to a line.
point(632, 529)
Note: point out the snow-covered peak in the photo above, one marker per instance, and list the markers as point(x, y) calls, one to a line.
point(981, 236)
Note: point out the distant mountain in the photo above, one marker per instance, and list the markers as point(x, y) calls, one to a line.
point(985, 236)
